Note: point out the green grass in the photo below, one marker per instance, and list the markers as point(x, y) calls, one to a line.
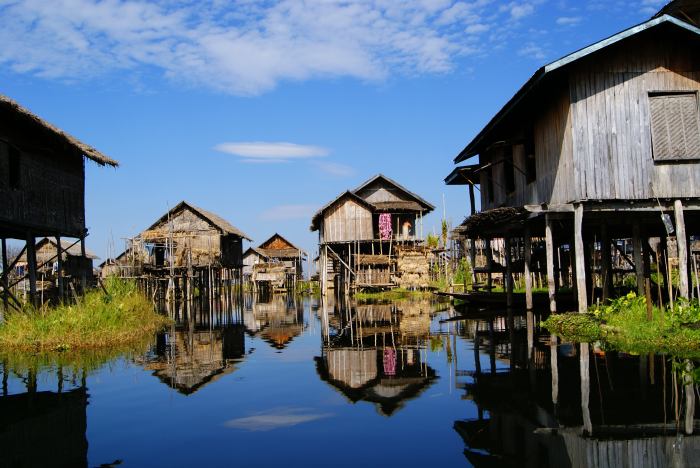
point(119, 318)
point(622, 324)
point(392, 295)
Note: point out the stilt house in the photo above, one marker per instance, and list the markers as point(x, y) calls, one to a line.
point(599, 145)
point(276, 262)
point(42, 186)
point(365, 232)
point(74, 263)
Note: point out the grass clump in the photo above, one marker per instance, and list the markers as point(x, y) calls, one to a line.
point(391, 295)
point(622, 324)
point(120, 316)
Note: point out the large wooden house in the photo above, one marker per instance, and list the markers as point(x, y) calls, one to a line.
point(42, 186)
point(363, 232)
point(596, 146)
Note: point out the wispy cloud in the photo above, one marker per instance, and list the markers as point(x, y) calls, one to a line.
point(532, 51)
point(288, 212)
point(568, 20)
point(270, 152)
point(243, 47)
point(276, 419)
point(335, 169)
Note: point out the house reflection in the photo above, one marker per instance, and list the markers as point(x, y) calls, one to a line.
point(277, 319)
point(200, 348)
point(571, 405)
point(377, 353)
point(43, 428)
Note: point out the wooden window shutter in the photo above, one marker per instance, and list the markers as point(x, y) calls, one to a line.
point(675, 126)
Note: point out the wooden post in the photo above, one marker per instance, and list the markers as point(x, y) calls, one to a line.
point(472, 261)
point(472, 202)
point(606, 266)
point(638, 258)
point(528, 275)
point(508, 280)
point(59, 273)
point(585, 387)
point(31, 265)
point(5, 277)
point(580, 259)
point(681, 241)
point(549, 246)
point(83, 274)
point(489, 265)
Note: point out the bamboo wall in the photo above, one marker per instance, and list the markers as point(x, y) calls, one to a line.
point(347, 221)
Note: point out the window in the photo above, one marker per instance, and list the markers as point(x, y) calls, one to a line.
point(675, 126)
point(508, 169)
point(530, 163)
point(13, 170)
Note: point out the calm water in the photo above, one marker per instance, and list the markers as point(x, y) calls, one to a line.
point(292, 383)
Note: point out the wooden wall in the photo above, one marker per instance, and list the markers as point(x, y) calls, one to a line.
point(347, 221)
point(381, 191)
point(49, 194)
point(611, 123)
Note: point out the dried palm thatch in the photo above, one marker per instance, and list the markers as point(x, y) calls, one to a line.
point(87, 150)
point(490, 219)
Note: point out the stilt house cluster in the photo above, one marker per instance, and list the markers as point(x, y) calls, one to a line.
point(371, 237)
point(599, 146)
point(275, 265)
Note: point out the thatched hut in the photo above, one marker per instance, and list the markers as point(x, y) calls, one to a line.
point(42, 184)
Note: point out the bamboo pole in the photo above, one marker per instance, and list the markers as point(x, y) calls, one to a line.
point(528, 275)
point(31, 264)
point(5, 277)
point(580, 260)
point(681, 241)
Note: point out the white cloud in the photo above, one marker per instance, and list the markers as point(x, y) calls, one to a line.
point(568, 20)
point(335, 169)
point(288, 212)
point(263, 151)
point(275, 419)
point(533, 51)
point(476, 28)
point(241, 47)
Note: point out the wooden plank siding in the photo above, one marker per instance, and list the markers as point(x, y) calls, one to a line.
point(612, 123)
point(347, 221)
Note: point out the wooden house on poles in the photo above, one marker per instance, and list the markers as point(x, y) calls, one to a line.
point(42, 187)
point(371, 237)
point(276, 264)
point(600, 145)
point(187, 243)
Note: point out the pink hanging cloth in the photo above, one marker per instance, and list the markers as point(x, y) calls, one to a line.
point(385, 226)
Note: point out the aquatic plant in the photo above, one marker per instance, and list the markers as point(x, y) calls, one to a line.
point(623, 324)
point(116, 316)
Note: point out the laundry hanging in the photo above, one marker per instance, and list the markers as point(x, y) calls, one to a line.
point(385, 226)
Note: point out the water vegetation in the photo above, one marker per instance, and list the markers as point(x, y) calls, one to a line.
point(392, 295)
point(111, 318)
point(627, 324)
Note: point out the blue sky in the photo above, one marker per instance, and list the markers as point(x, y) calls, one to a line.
point(264, 111)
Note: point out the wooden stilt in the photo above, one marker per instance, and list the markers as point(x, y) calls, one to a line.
point(489, 265)
point(528, 275)
point(549, 247)
point(681, 241)
point(580, 259)
point(638, 258)
point(606, 262)
point(31, 265)
point(5, 277)
point(585, 388)
point(472, 260)
point(59, 273)
point(508, 280)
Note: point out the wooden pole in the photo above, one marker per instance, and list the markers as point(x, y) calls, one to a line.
point(5, 277)
point(472, 261)
point(31, 265)
point(606, 265)
point(585, 387)
point(83, 274)
point(528, 275)
point(580, 259)
point(638, 260)
point(681, 241)
point(549, 247)
point(59, 273)
point(472, 202)
point(554, 365)
point(489, 265)
point(509, 273)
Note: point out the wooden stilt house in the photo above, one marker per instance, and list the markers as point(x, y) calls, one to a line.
point(42, 187)
point(276, 264)
point(366, 232)
point(600, 145)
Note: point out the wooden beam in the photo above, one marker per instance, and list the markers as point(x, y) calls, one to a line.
point(681, 241)
point(472, 201)
point(549, 244)
point(527, 273)
point(579, 252)
point(83, 274)
point(5, 277)
point(489, 264)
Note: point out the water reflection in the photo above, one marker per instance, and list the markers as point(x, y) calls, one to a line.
point(278, 319)
point(572, 405)
point(376, 352)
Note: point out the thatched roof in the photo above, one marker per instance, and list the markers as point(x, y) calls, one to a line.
point(215, 220)
point(255, 250)
point(86, 150)
point(402, 206)
point(66, 246)
point(490, 219)
point(279, 247)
